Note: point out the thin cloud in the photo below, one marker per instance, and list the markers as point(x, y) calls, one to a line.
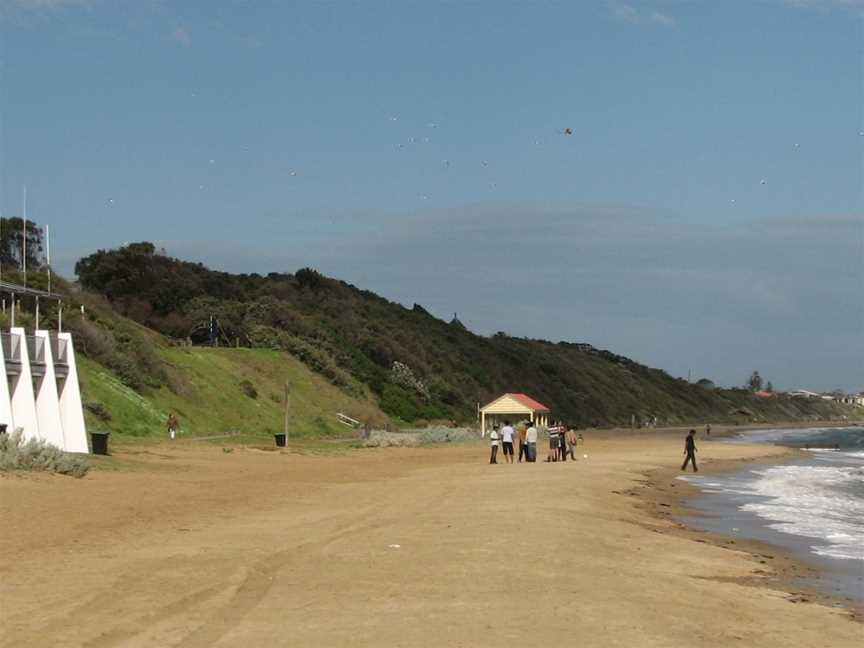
point(44, 5)
point(662, 19)
point(22, 8)
point(625, 12)
point(852, 5)
point(681, 295)
point(630, 14)
point(181, 36)
point(807, 4)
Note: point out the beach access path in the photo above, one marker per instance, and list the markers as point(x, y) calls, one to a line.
point(187, 545)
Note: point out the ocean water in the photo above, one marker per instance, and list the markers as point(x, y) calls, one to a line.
point(814, 506)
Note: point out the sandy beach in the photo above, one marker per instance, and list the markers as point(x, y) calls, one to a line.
point(188, 545)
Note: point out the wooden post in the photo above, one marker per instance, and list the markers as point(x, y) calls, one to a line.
point(287, 409)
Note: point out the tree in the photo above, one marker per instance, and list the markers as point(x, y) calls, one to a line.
point(769, 387)
point(755, 382)
point(11, 243)
point(309, 278)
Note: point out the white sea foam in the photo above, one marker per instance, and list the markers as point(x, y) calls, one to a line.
point(824, 502)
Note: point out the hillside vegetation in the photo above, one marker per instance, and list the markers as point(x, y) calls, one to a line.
point(357, 351)
point(221, 391)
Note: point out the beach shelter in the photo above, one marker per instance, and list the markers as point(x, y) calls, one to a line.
point(513, 407)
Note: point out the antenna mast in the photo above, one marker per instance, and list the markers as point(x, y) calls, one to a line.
point(24, 239)
point(48, 253)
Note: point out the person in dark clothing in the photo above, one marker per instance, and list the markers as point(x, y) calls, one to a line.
point(690, 451)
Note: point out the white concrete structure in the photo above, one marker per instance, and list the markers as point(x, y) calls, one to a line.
point(71, 411)
point(41, 394)
point(803, 393)
point(513, 407)
point(45, 389)
point(5, 400)
point(21, 386)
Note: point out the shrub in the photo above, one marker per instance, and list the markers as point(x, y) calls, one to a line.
point(98, 410)
point(17, 454)
point(401, 375)
point(399, 402)
point(248, 388)
point(309, 278)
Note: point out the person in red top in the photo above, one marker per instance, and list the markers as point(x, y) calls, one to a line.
point(172, 425)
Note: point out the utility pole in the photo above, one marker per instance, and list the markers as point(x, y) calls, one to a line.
point(48, 265)
point(287, 409)
point(24, 239)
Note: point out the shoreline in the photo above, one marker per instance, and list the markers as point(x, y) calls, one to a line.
point(665, 496)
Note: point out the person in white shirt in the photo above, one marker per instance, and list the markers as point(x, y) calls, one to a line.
point(493, 438)
point(507, 433)
point(531, 440)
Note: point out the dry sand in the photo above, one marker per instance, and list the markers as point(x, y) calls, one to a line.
point(197, 547)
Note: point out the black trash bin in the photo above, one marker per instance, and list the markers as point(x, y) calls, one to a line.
point(280, 440)
point(99, 442)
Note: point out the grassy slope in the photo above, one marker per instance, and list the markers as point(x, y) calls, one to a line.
point(210, 400)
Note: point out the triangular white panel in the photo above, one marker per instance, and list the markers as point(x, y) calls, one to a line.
point(22, 397)
point(71, 410)
point(5, 401)
point(47, 400)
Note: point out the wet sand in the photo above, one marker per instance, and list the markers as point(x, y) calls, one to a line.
point(191, 546)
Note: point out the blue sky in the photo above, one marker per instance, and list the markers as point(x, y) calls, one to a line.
point(705, 214)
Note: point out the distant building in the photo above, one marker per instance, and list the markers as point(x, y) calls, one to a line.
point(803, 393)
point(856, 400)
point(513, 407)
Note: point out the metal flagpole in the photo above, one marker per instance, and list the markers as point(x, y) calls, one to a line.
point(48, 250)
point(24, 241)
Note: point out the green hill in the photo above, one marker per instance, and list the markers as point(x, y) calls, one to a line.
point(132, 377)
point(354, 349)
point(219, 391)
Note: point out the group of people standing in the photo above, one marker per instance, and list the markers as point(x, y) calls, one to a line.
point(562, 441)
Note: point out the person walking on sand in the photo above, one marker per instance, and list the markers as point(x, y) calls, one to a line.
point(708, 429)
point(521, 429)
point(493, 439)
point(172, 426)
point(690, 451)
point(531, 443)
point(507, 434)
point(571, 441)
